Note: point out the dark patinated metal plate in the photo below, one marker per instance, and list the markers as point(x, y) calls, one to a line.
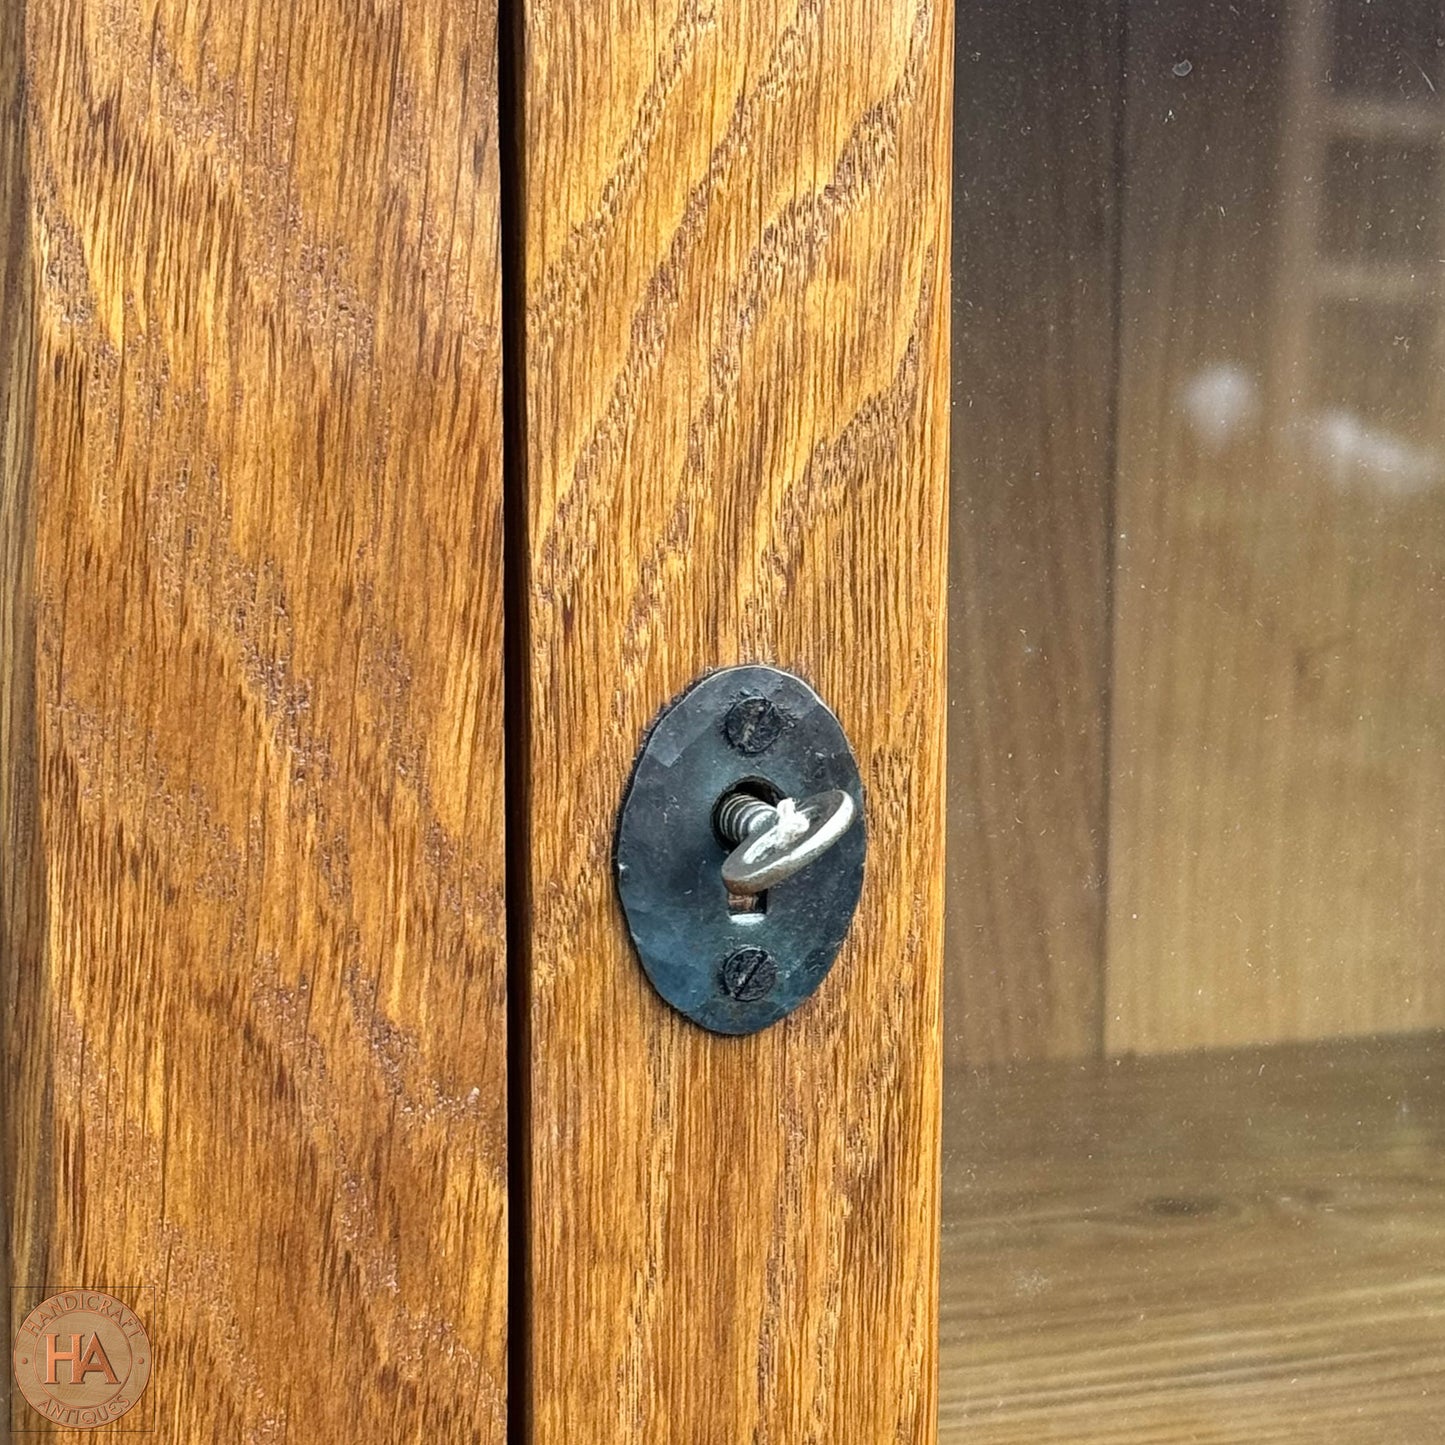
point(734, 972)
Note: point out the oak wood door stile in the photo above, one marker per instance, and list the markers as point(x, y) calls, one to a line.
point(733, 345)
point(253, 973)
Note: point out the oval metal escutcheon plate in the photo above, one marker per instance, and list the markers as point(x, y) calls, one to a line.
point(735, 963)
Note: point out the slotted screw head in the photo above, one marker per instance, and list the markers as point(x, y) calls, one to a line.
point(749, 974)
point(753, 725)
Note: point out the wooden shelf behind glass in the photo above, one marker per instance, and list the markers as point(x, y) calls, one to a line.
point(1242, 1246)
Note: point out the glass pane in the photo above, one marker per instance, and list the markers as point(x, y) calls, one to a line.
point(1194, 1156)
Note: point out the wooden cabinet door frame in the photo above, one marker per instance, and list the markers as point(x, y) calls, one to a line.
point(321, 1019)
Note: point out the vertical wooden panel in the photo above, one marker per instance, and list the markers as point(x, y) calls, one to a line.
point(1278, 820)
point(735, 244)
point(1035, 241)
point(254, 969)
point(22, 893)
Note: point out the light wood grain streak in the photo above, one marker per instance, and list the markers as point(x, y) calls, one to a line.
point(22, 890)
point(735, 244)
point(253, 958)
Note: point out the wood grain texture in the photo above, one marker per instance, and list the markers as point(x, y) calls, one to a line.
point(1204, 1248)
point(1277, 833)
point(21, 877)
point(254, 973)
point(1034, 385)
point(735, 244)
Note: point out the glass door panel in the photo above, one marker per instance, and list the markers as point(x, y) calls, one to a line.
point(1194, 1186)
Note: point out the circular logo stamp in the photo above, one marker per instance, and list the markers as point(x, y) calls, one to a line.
point(82, 1358)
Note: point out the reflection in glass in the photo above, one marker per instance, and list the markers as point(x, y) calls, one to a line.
point(1195, 1007)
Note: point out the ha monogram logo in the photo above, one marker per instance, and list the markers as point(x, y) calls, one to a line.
point(82, 1358)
